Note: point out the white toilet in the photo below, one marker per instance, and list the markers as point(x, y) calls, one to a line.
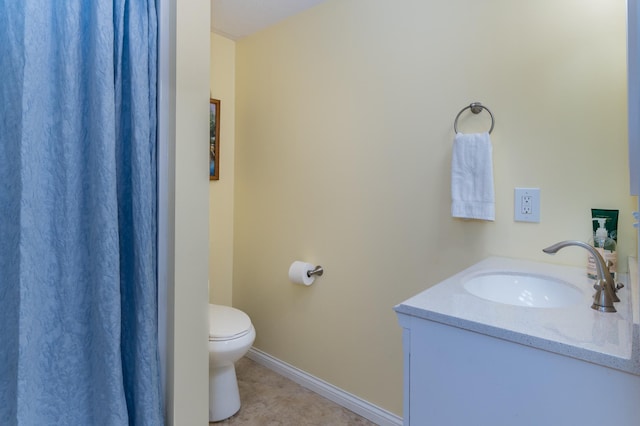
point(231, 334)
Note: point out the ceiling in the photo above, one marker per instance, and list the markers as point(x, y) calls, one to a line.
point(239, 18)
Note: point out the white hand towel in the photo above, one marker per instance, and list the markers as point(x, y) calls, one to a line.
point(472, 177)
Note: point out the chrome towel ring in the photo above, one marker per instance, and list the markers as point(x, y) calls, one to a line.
point(476, 108)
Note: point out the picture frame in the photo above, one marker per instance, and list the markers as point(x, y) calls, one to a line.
point(214, 139)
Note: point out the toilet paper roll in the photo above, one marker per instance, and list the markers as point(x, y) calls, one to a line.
point(298, 273)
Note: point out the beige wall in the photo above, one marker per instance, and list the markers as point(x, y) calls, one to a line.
point(221, 191)
point(344, 128)
point(186, 24)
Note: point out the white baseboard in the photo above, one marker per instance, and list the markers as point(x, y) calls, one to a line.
point(351, 402)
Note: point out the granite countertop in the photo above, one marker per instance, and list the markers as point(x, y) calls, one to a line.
point(608, 339)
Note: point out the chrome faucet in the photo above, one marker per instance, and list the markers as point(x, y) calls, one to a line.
point(605, 287)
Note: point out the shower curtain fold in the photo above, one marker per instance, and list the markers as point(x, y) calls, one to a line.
point(78, 281)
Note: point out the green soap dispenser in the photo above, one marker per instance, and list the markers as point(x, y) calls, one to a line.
point(606, 247)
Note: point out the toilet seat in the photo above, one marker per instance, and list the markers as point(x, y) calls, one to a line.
point(227, 323)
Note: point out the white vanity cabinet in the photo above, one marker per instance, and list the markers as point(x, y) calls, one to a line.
point(468, 361)
point(459, 377)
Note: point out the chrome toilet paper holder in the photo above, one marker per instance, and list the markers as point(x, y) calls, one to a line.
point(316, 271)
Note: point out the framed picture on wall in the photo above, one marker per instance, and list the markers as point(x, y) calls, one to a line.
point(214, 139)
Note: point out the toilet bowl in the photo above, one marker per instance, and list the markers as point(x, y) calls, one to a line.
point(231, 334)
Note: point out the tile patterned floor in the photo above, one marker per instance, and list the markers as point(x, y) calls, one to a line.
point(269, 399)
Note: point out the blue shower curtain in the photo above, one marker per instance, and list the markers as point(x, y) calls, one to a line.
point(78, 303)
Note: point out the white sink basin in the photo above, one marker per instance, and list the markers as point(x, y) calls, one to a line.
point(513, 288)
